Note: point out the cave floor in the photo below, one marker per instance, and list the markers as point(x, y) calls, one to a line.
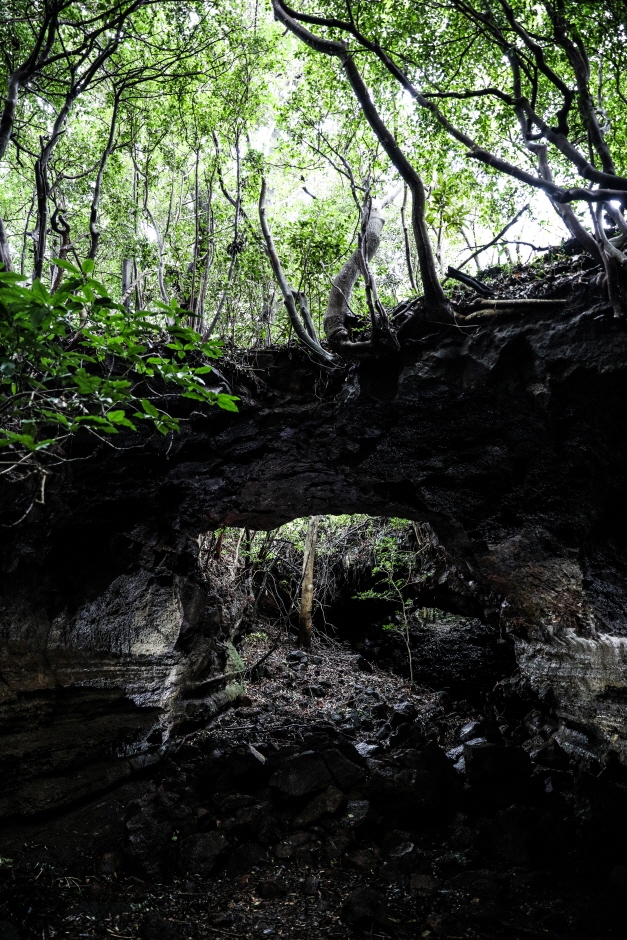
point(334, 801)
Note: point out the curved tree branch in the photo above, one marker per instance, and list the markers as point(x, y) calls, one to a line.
point(94, 233)
point(289, 296)
point(438, 308)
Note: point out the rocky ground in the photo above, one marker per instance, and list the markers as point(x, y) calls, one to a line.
point(336, 801)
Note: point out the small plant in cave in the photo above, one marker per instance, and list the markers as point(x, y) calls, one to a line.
point(403, 628)
point(396, 569)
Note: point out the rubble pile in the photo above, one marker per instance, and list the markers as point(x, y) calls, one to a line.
point(337, 801)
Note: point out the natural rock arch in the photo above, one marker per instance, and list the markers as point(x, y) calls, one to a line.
point(509, 439)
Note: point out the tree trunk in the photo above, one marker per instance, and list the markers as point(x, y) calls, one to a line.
point(338, 307)
point(408, 261)
point(59, 225)
point(307, 589)
point(438, 308)
point(304, 329)
point(127, 282)
point(5, 253)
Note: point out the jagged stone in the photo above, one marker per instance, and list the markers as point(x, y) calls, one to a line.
point(201, 852)
point(422, 886)
point(325, 804)
point(402, 712)
point(345, 772)
point(245, 857)
point(497, 771)
point(149, 829)
point(522, 835)
point(301, 774)
point(286, 848)
point(356, 813)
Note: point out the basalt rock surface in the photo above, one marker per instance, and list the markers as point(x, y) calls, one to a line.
point(287, 818)
point(508, 436)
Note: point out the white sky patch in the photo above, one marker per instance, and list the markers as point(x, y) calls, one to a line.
point(149, 232)
point(262, 139)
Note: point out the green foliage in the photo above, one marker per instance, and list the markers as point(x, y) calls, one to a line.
point(200, 99)
point(77, 360)
point(257, 635)
point(396, 568)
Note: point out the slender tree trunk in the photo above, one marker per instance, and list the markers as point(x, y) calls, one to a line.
point(61, 227)
point(26, 234)
point(191, 305)
point(307, 589)
point(289, 295)
point(94, 233)
point(5, 253)
point(127, 281)
point(229, 278)
point(41, 184)
point(218, 552)
point(438, 307)
point(408, 261)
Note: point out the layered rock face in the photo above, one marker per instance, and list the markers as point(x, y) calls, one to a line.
point(508, 437)
point(110, 643)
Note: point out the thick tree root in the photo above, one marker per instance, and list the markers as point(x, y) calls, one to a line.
point(489, 308)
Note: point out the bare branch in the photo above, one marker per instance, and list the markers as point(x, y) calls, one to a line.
point(497, 238)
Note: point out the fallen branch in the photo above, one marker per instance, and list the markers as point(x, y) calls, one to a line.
point(469, 281)
point(491, 308)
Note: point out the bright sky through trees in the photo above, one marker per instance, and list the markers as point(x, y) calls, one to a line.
point(142, 129)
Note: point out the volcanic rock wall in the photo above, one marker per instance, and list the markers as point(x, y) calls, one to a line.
point(105, 653)
point(508, 437)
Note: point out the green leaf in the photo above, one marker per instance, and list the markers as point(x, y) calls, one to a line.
point(149, 408)
point(37, 315)
point(119, 417)
point(227, 402)
point(62, 263)
point(57, 417)
point(27, 440)
point(86, 383)
point(40, 292)
point(101, 423)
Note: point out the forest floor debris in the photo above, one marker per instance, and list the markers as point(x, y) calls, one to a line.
point(334, 801)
